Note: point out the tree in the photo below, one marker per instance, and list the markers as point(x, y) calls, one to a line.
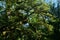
point(26, 20)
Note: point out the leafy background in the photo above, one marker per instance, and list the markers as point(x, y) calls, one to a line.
point(30, 20)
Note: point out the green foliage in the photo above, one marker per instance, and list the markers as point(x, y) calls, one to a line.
point(27, 20)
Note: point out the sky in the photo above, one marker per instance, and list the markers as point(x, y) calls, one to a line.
point(53, 1)
point(2, 4)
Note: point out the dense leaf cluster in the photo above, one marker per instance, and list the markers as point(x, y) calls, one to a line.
point(28, 20)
